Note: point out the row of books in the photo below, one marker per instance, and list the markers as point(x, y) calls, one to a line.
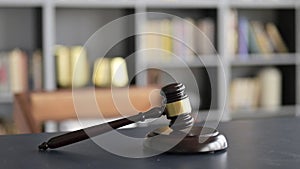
point(185, 38)
point(263, 90)
point(20, 71)
point(73, 69)
point(252, 36)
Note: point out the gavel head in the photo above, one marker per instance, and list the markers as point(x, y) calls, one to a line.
point(177, 106)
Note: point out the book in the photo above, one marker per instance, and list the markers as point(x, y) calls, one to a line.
point(37, 70)
point(178, 36)
point(63, 66)
point(4, 75)
point(18, 68)
point(244, 93)
point(271, 88)
point(101, 73)
point(72, 67)
point(151, 39)
point(80, 70)
point(265, 46)
point(119, 74)
point(205, 36)
point(243, 30)
point(275, 38)
point(110, 72)
point(170, 37)
point(188, 39)
point(263, 90)
point(232, 35)
point(165, 38)
point(158, 38)
point(253, 44)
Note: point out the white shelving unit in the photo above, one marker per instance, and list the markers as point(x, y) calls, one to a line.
point(52, 9)
point(259, 60)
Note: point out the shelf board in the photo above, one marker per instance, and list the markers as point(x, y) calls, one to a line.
point(6, 98)
point(21, 3)
point(268, 60)
point(288, 110)
point(259, 4)
point(180, 4)
point(172, 62)
point(95, 3)
point(134, 3)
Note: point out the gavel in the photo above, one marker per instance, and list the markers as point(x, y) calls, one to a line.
point(176, 107)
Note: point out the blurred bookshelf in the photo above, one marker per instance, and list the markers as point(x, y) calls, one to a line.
point(258, 59)
point(43, 24)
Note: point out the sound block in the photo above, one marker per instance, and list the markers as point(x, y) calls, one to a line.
point(197, 140)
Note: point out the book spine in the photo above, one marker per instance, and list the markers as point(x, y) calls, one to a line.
point(79, 66)
point(243, 38)
point(63, 66)
point(178, 34)
point(166, 40)
point(72, 66)
point(275, 38)
point(3, 75)
point(37, 70)
point(244, 93)
point(110, 72)
point(265, 47)
point(232, 35)
point(119, 73)
point(253, 44)
point(205, 36)
point(189, 44)
point(18, 67)
point(270, 79)
point(101, 74)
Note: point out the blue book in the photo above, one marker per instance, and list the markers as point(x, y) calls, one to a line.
point(243, 29)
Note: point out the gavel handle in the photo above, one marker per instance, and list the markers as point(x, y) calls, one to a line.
point(83, 134)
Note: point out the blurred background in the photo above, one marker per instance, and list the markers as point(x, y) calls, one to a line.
point(243, 56)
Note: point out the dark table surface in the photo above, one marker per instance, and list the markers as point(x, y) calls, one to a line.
point(264, 143)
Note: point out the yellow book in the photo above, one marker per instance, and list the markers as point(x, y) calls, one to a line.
point(166, 40)
point(151, 39)
point(63, 66)
point(18, 71)
point(110, 72)
point(264, 44)
point(276, 38)
point(101, 74)
point(119, 73)
point(79, 66)
point(148, 39)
